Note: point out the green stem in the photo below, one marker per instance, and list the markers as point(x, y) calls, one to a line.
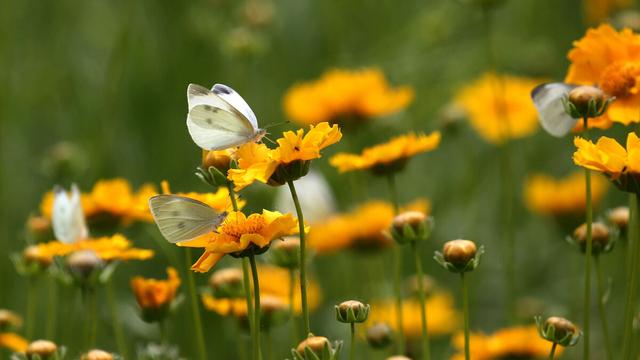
point(90, 300)
point(256, 307)
point(397, 268)
point(603, 316)
point(232, 196)
point(552, 354)
point(52, 308)
point(195, 309)
point(465, 306)
point(588, 255)
point(352, 350)
point(630, 302)
point(268, 344)
point(303, 259)
point(115, 318)
point(31, 306)
point(426, 352)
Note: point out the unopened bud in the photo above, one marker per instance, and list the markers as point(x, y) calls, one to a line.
point(97, 355)
point(352, 311)
point(219, 159)
point(379, 335)
point(285, 253)
point(619, 217)
point(227, 283)
point(411, 226)
point(558, 330)
point(599, 234)
point(459, 255)
point(41, 349)
point(83, 263)
point(586, 101)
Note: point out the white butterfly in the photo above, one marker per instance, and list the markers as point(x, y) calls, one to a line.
point(547, 99)
point(181, 218)
point(67, 217)
point(219, 118)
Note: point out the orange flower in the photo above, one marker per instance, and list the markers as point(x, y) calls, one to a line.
point(154, 294)
point(611, 60)
point(389, 156)
point(605, 156)
point(13, 342)
point(345, 96)
point(218, 200)
point(108, 248)
point(546, 195)
point(516, 342)
point(238, 232)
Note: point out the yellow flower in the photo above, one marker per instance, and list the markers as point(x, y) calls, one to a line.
point(389, 156)
point(256, 162)
point(108, 248)
point(154, 294)
point(13, 342)
point(611, 60)
point(363, 228)
point(606, 155)
point(345, 96)
point(237, 232)
point(113, 197)
point(549, 196)
point(597, 11)
point(218, 200)
point(499, 107)
point(442, 316)
point(274, 282)
point(514, 342)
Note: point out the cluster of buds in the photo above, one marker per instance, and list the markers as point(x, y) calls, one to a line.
point(317, 348)
point(602, 239)
point(558, 330)
point(379, 335)
point(352, 311)
point(459, 256)
point(215, 164)
point(227, 283)
point(285, 253)
point(586, 102)
point(411, 226)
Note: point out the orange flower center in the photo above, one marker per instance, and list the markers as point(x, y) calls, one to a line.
point(236, 228)
point(619, 79)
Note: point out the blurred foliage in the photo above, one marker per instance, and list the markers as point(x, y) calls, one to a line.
point(108, 79)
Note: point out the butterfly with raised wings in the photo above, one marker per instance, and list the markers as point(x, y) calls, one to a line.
point(219, 118)
point(548, 100)
point(181, 218)
point(67, 217)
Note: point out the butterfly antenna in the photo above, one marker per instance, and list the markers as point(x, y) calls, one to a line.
point(276, 124)
point(271, 141)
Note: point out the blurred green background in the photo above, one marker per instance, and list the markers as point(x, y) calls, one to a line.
point(110, 77)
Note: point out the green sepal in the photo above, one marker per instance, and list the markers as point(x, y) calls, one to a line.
point(471, 265)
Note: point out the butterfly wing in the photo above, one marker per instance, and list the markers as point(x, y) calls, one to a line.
point(181, 218)
point(234, 99)
point(212, 128)
point(547, 99)
point(68, 218)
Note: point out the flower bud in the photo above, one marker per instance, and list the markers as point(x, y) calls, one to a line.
point(398, 357)
point(273, 311)
point(352, 311)
point(83, 263)
point(227, 283)
point(41, 349)
point(97, 355)
point(9, 320)
point(219, 159)
point(599, 236)
point(38, 225)
point(317, 348)
point(285, 253)
point(379, 335)
point(459, 255)
point(586, 101)
point(33, 255)
point(411, 226)
point(619, 217)
point(411, 285)
point(558, 330)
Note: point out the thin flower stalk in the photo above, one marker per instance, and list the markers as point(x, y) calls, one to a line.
point(552, 354)
point(588, 254)
point(115, 318)
point(257, 354)
point(397, 269)
point(195, 309)
point(631, 296)
point(303, 258)
point(465, 307)
point(426, 351)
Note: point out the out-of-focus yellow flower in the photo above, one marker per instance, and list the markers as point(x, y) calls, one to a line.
point(218, 200)
point(549, 196)
point(363, 228)
point(155, 294)
point(256, 162)
point(345, 96)
point(608, 156)
point(274, 282)
point(515, 342)
point(597, 11)
point(499, 107)
point(237, 232)
point(113, 197)
point(442, 318)
point(13, 342)
point(108, 248)
point(611, 60)
point(389, 156)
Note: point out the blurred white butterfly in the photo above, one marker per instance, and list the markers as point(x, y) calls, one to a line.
point(67, 217)
point(181, 218)
point(219, 118)
point(548, 100)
